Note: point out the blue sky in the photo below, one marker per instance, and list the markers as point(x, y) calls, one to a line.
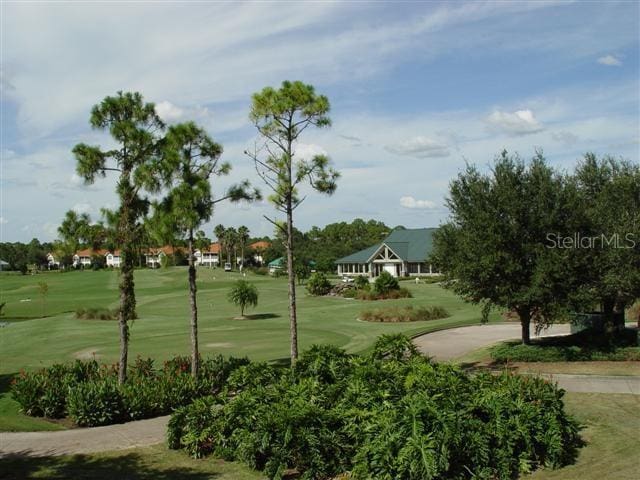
point(416, 89)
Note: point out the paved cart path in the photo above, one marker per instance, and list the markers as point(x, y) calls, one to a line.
point(84, 440)
point(455, 342)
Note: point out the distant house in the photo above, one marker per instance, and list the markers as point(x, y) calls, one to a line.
point(153, 256)
point(402, 253)
point(82, 258)
point(257, 249)
point(209, 257)
point(52, 261)
point(113, 259)
point(4, 265)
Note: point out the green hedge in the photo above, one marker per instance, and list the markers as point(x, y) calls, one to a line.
point(88, 393)
point(583, 346)
point(392, 414)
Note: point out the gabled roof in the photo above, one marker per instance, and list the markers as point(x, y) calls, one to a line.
point(411, 245)
point(278, 262)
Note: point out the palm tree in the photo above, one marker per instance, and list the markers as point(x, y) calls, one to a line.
point(243, 294)
point(243, 238)
point(230, 240)
point(218, 231)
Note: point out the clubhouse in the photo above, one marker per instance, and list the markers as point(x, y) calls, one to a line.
point(402, 253)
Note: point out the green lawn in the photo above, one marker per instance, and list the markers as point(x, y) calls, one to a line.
point(162, 331)
point(611, 430)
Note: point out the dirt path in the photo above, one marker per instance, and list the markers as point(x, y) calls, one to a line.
point(84, 440)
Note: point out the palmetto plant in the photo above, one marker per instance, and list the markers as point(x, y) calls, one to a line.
point(243, 294)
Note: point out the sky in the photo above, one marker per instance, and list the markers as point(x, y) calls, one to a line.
point(417, 90)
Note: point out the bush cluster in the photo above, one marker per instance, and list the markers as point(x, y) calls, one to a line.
point(89, 394)
point(384, 287)
point(404, 314)
point(318, 284)
point(96, 314)
point(391, 414)
point(583, 346)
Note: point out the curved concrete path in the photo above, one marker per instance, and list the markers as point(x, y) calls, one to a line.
point(84, 440)
point(453, 343)
point(449, 344)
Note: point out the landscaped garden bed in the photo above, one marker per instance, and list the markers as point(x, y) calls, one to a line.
point(583, 346)
point(404, 314)
point(390, 414)
point(88, 393)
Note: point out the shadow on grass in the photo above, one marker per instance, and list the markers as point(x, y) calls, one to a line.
point(261, 316)
point(129, 466)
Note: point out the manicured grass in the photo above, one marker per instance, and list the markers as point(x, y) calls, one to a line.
point(612, 423)
point(162, 329)
point(580, 368)
point(148, 463)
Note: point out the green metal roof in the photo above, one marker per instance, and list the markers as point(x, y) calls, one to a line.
point(278, 262)
point(411, 245)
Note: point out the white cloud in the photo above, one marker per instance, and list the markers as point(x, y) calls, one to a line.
point(610, 60)
point(520, 122)
point(410, 202)
point(169, 112)
point(3, 221)
point(419, 147)
point(82, 208)
point(306, 151)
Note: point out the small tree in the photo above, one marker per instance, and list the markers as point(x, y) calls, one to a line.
point(280, 117)
point(243, 294)
point(43, 290)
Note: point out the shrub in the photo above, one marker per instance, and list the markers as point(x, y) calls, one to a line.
point(318, 284)
point(392, 414)
point(96, 314)
point(583, 346)
point(75, 389)
point(95, 403)
point(361, 282)
point(390, 295)
point(404, 314)
point(385, 282)
point(44, 393)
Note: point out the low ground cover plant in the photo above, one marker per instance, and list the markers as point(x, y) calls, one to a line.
point(89, 394)
point(96, 314)
point(387, 415)
point(404, 314)
point(583, 346)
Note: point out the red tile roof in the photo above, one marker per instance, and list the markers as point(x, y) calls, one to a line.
point(260, 245)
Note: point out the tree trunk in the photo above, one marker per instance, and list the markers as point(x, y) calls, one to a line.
point(608, 305)
point(293, 320)
point(525, 321)
point(195, 360)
